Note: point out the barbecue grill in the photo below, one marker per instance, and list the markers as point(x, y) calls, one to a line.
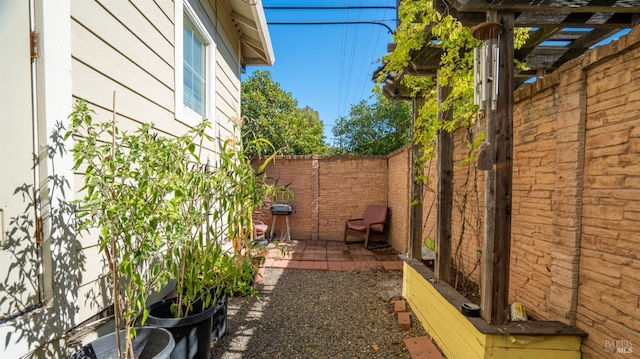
point(281, 209)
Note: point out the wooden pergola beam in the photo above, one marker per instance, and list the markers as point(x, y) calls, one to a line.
point(619, 6)
point(580, 45)
point(498, 187)
point(535, 39)
point(415, 219)
point(574, 20)
point(554, 18)
point(444, 191)
point(536, 16)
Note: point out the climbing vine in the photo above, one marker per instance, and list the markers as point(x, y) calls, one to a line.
point(421, 25)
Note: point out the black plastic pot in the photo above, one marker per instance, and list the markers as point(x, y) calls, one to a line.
point(149, 343)
point(219, 319)
point(192, 334)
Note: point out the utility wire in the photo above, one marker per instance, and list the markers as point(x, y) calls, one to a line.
point(275, 7)
point(331, 23)
point(343, 52)
point(353, 55)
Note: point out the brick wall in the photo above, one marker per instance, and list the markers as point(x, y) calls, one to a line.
point(328, 191)
point(468, 186)
point(576, 186)
point(534, 184)
point(398, 194)
point(300, 175)
point(609, 291)
point(347, 186)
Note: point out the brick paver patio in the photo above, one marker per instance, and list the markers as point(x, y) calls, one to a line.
point(331, 255)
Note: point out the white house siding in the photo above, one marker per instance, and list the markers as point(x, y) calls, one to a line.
point(227, 73)
point(126, 46)
point(115, 47)
point(22, 334)
point(227, 64)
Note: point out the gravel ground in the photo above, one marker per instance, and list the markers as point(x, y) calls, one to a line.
point(318, 314)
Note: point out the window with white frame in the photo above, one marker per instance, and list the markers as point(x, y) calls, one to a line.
point(193, 69)
point(194, 66)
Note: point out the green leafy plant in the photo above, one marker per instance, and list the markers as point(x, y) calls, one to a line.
point(127, 198)
point(421, 25)
point(429, 243)
point(376, 127)
point(193, 251)
point(272, 113)
point(246, 189)
point(215, 203)
point(162, 213)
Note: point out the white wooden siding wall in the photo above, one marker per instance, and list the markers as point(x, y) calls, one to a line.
point(227, 68)
point(227, 73)
point(227, 85)
point(125, 47)
point(128, 47)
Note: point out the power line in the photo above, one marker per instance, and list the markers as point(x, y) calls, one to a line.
point(332, 23)
point(353, 55)
point(325, 7)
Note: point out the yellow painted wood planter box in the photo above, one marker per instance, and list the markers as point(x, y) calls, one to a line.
point(437, 306)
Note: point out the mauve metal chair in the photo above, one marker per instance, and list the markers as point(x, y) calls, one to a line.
point(375, 221)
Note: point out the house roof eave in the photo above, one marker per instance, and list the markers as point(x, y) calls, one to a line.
point(255, 39)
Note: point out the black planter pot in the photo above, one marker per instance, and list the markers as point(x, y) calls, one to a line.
point(149, 343)
point(219, 319)
point(192, 334)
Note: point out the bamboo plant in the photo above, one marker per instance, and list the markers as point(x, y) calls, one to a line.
point(162, 213)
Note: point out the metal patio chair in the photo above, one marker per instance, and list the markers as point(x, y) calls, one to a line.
point(375, 221)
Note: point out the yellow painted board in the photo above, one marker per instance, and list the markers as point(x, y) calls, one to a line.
point(535, 342)
point(512, 353)
point(442, 313)
point(457, 337)
point(420, 286)
point(453, 333)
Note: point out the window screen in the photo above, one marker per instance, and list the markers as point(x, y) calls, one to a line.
point(194, 69)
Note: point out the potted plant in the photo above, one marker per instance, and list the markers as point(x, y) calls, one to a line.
point(124, 199)
point(205, 215)
point(194, 255)
point(164, 215)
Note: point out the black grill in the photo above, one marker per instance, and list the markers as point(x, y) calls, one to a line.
point(281, 209)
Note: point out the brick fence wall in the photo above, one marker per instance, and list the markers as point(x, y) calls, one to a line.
point(328, 191)
point(576, 186)
point(398, 194)
point(608, 304)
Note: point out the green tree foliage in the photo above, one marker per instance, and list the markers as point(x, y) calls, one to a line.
point(376, 128)
point(271, 113)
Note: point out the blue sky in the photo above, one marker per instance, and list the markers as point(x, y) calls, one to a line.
point(327, 67)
